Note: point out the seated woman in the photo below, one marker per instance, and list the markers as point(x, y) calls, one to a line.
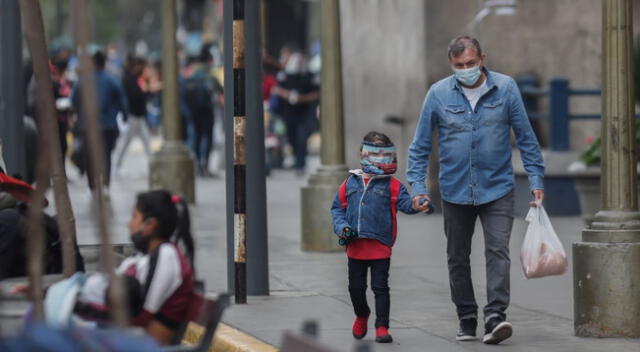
point(158, 224)
point(159, 279)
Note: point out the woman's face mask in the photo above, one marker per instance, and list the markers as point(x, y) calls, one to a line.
point(140, 230)
point(140, 242)
point(377, 160)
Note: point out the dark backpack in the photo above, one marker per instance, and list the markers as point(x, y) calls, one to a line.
point(196, 93)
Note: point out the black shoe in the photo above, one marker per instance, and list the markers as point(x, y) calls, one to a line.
point(467, 330)
point(496, 331)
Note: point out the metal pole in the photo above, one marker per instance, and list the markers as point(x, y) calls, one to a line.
point(239, 152)
point(607, 262)
point(35, 35)
point(228, 137)
point(323, 184)
point(172, 167)
point(11, 89)
point(118, 299)
point(257, 232)
point(559, 114)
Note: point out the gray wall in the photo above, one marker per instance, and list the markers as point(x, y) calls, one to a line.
point(547, 38)
point(393, 50)
point(384, 69)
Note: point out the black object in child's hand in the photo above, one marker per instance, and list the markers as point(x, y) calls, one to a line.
point(348, 235)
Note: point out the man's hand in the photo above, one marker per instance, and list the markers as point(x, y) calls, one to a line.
point(538, 197)
point(419, 205)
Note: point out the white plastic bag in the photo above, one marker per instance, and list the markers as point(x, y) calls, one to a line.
point(542, 253)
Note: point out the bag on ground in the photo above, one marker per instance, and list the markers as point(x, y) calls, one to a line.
point(542, 253)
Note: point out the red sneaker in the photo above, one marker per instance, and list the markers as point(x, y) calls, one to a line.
point(382, 335)
point(360, 327)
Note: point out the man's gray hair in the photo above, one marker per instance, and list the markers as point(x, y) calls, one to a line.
point(459, 44)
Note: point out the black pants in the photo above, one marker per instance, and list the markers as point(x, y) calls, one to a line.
point(109, 137)
point(298, 135)
point(203, 125)
point(379, 285)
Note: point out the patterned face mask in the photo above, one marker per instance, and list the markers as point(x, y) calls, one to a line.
point(378, 160)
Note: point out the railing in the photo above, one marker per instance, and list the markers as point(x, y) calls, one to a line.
point(559, 114)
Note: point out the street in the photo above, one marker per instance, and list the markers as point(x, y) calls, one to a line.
point(314, 285)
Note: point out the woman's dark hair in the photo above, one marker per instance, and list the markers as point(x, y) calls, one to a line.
point(378, 139)
point(173, 218)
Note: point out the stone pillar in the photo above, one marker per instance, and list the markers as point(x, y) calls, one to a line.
point(607, 261)
point(317, 231)
point(172, 167)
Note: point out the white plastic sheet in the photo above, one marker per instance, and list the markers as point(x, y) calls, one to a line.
point(542, 253)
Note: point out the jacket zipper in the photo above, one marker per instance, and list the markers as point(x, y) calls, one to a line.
point(365, 184)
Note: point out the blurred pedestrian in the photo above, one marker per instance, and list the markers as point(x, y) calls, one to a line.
point(154, 99)
point(136, 87)
point(201, 92)
point(62, 88)
point(297, 90)
point(111, 101)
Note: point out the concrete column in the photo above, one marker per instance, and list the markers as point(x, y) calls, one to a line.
point(172, 167)
point(11, 89)
point(317, 231)
point(607, 262)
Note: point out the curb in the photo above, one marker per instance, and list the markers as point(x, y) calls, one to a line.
point(228, 339)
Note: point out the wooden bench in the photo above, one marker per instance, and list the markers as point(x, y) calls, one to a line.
point(205, 312)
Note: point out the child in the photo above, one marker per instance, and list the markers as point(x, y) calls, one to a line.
point(364, 217)
point(159, 279)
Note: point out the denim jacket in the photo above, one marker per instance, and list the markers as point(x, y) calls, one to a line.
point(475, 144)
point(368, 210)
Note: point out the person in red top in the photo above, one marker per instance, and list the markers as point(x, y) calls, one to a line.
point(364, 218)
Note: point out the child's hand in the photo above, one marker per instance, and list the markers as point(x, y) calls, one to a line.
point(422, 203)
point(347, 236)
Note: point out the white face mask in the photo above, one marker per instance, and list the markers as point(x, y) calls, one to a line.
point(468, 76)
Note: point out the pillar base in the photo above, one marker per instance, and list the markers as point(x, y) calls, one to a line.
point(605, 288)
point(172, 168)
point(317, 197)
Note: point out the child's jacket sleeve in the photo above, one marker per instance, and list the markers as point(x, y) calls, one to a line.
point(339, 215)
point(405, 202)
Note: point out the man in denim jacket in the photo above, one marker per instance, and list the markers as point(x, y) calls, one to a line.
point(474, 111)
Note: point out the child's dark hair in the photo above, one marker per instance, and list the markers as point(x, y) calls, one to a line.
point(173, 218)
point(377, 139)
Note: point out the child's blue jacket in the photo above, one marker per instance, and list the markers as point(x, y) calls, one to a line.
point(368, 208)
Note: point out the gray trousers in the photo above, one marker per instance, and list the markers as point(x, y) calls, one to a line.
point(496, 218)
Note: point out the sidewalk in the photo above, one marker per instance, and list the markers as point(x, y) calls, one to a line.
point(314, 286)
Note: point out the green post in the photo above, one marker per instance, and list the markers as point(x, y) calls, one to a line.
point(317, 232)
point(606, 263)
point(172, 167)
